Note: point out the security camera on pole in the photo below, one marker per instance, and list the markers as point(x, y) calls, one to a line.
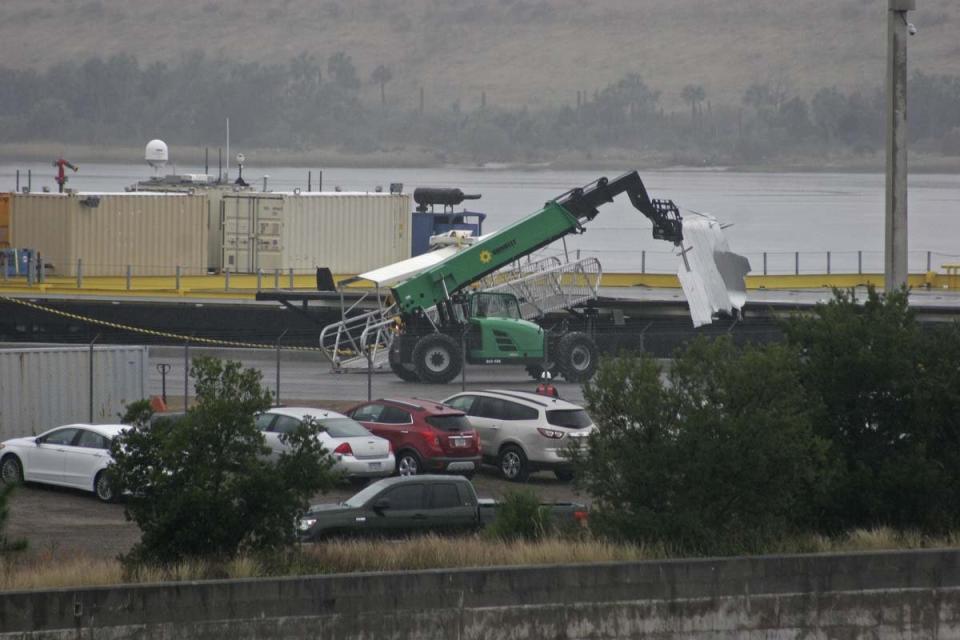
point(895, 231)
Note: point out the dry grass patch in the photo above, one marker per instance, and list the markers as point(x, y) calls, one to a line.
point(48, 570)
point(433, 552)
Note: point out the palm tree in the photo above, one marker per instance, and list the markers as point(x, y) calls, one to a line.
point(382, 75)
point(694, 95)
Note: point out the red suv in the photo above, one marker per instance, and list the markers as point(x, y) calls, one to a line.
point(426, 435)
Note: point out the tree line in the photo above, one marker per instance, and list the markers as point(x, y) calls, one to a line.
point(308, 103)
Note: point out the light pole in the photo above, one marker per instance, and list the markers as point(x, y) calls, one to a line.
point(895, 228)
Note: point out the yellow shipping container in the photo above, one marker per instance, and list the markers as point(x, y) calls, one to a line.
point(153, 233)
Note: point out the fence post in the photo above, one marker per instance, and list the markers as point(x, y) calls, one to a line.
point(259, 278)
point(764, 263)
point(226, 280)
point(291, 277)
point(643, 261)
point(369, 349)
point(276, 278)
point(796, 263)
point(164, 369)
point(79, 273)
point(279, 338)
point(178, 277)
point(30, 274)
point(929, 256)
point(463, 358)
point(42, 269)
point(186, 372)
point(828, 263)
point(859, 262)
point(92, 342)
point(129, 274)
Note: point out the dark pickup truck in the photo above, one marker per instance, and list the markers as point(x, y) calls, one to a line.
point(409, 505)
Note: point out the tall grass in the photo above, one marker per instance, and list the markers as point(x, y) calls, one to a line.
point(48, 570)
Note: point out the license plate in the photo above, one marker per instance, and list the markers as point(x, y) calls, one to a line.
point(374, 465)
point(458, 442)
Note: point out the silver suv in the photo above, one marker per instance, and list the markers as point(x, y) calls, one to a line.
point(523, 432)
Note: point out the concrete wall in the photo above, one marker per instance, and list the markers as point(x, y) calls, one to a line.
point(880, 595)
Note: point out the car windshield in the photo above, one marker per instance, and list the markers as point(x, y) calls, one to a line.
point(570, 418)
point(449, 423)
point(364, 496)
point(343, 428)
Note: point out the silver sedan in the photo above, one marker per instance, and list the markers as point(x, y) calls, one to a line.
point(356, 452)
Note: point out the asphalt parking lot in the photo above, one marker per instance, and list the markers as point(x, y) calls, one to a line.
point(64, 521)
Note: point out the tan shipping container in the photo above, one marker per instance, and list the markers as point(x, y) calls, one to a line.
point(348, 232)
point(152, 233)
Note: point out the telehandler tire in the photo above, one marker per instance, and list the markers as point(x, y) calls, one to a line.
point(405, 372)
point(437, 358)
point(577, 356)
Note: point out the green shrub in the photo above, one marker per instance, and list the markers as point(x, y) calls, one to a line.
point(520, 517)
point(5, 543)
point(202, 486)
point(716, 456)
point(886, 393)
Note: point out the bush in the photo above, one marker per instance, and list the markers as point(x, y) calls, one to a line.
point(888, 399)
point(202, 486)
point(5, 543)
point(520, 517)
point(718, 457)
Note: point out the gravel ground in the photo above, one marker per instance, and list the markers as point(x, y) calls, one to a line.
point(64, 521)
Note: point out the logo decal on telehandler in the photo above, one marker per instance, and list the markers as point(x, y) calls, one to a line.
point(485, 256)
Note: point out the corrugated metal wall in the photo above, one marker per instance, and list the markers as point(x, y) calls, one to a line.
point(41, 388)
point(153, 233)
point(347, 232)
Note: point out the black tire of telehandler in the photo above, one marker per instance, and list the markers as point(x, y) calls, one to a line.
point(577, 356)
point(405, 372)
point(437, 358)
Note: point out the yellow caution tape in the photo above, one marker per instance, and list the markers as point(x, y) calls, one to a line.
point(152, 332)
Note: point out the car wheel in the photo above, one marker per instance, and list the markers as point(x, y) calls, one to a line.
point(408, 464)
point(513, 464)
point(437, 358)
point(11, 470)
point(577, 356)
point(563, 475)
point(403, 371)
point(103, 487)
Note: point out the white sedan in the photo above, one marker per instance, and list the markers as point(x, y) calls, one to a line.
point(74, 455)
point(356, 452)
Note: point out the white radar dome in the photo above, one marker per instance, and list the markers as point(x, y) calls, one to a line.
point(156, 153)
